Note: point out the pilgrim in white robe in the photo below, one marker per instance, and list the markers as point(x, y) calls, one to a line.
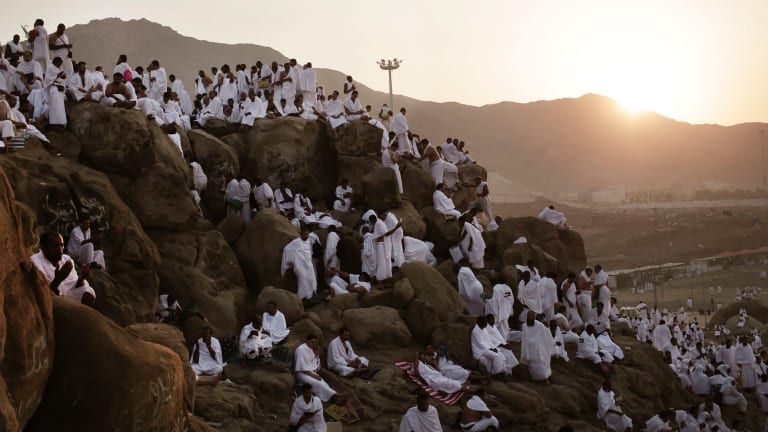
point(185, 102)
point(228, 90)
point(79, 86)
point(383, 250)
point(334, 109)
point(451, 153)
point(209, 363)
point(84, 253)
point(400, 128)
point(483, 346)
point(303, 210)
point(330, 258)
point(298, 255)
point(559, 345)
point(213, 110)
point(343, 200)
point(472, 245)
point(745, 359)
point(606, 345)
point(240, 191)
point(500, 305)
point(553, 216)
point(40, 50)
point(253, 109)
point(548, 291)
point(661, 337)
point(415, 250)
point(68, 287)
point(368, 254)
point(483, 202)
point(530, 296)
point(388, 162)
point(199, 179)
point(444, 205)
point(471, 291)
point(63, 54)
point(339, 354)
point(396, 239)
point(353, 106)
point(284, 200)
point(276, 326)
point(437, 381)
point(536, 350)
point(613, 421)
point(308, 85)
point(307, 361)
point(589, 350)
point(254, 346)
point(316, 422)
point(55, 87)
point(264, 196)
point(731, 396)
point(571, 300)
point(477, 404)
point(415, 420)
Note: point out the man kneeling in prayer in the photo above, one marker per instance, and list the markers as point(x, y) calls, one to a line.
point(476, 416)
point(342, 358)
point(206, 359)
point(421, 418)
point(254, 343)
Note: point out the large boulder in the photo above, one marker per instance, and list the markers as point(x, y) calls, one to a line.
point(376, 327)
point(220, 163)
point(140, 160)
point(231, 228)
point(232, 406)
point(358, 138)
point(443, 231)
point(200, 267)
point(380, 189)
point(566, 246)
point(145, 381)
point(293, 150)
point(413, 224)
point(455, 333)
point(422, 320)
point(287, 302)
point(26, 324)
point(354, 168)
point(432, 288)
point(171, 338)
point(418, 185)
point(260, 249)
point(58, 191)
point(754, 309)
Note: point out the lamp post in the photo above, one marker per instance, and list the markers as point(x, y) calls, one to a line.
point(389, 66)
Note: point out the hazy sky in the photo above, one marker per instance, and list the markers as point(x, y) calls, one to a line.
point(696, 60)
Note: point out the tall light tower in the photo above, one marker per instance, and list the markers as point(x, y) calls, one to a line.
point(389, 66)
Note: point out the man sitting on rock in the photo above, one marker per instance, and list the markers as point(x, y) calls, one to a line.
point(340, 282)
point(342, 358)
point(343, 201)
point(254, 343)
point(476, 416)
point(206, 359)
point(307, 366)
point(307, 412)
point(81, 246)
point(556, 218)
point(273, 324)
point(589, 350)
point(496, 358)
point(443, 204)
point(609, 410)
point(59, 270)
point(428, 369)
point(421, 418)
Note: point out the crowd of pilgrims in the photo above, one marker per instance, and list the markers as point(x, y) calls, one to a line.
point(38, 75)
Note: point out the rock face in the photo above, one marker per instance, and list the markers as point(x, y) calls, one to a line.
point(220, 163)
point(26, 326)
point(380, 189)
point(566, 246)
point(413, 224)
point(430, 286)
point(293, 150)
point(353, 169)
point(93, 354)
point(443, 232)
point(376, 327)
point(141, 162)
point(260, 250)
point(199, 267)
point(58, 191)
point(358, 138)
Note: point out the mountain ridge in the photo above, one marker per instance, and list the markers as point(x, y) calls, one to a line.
point(550, 146)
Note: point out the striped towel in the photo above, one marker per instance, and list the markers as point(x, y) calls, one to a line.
point(449, 400)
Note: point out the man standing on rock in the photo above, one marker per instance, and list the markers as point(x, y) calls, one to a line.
point(297, 255)
point(537, 348)
point(381, 236)
point(422, 417)
point(59, 270)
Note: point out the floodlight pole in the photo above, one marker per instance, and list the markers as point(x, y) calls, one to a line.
point(389, 66)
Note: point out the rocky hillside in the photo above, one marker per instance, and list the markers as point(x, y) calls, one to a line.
point(57, 358)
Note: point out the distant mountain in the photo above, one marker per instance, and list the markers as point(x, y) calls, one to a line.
point(548, 146)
